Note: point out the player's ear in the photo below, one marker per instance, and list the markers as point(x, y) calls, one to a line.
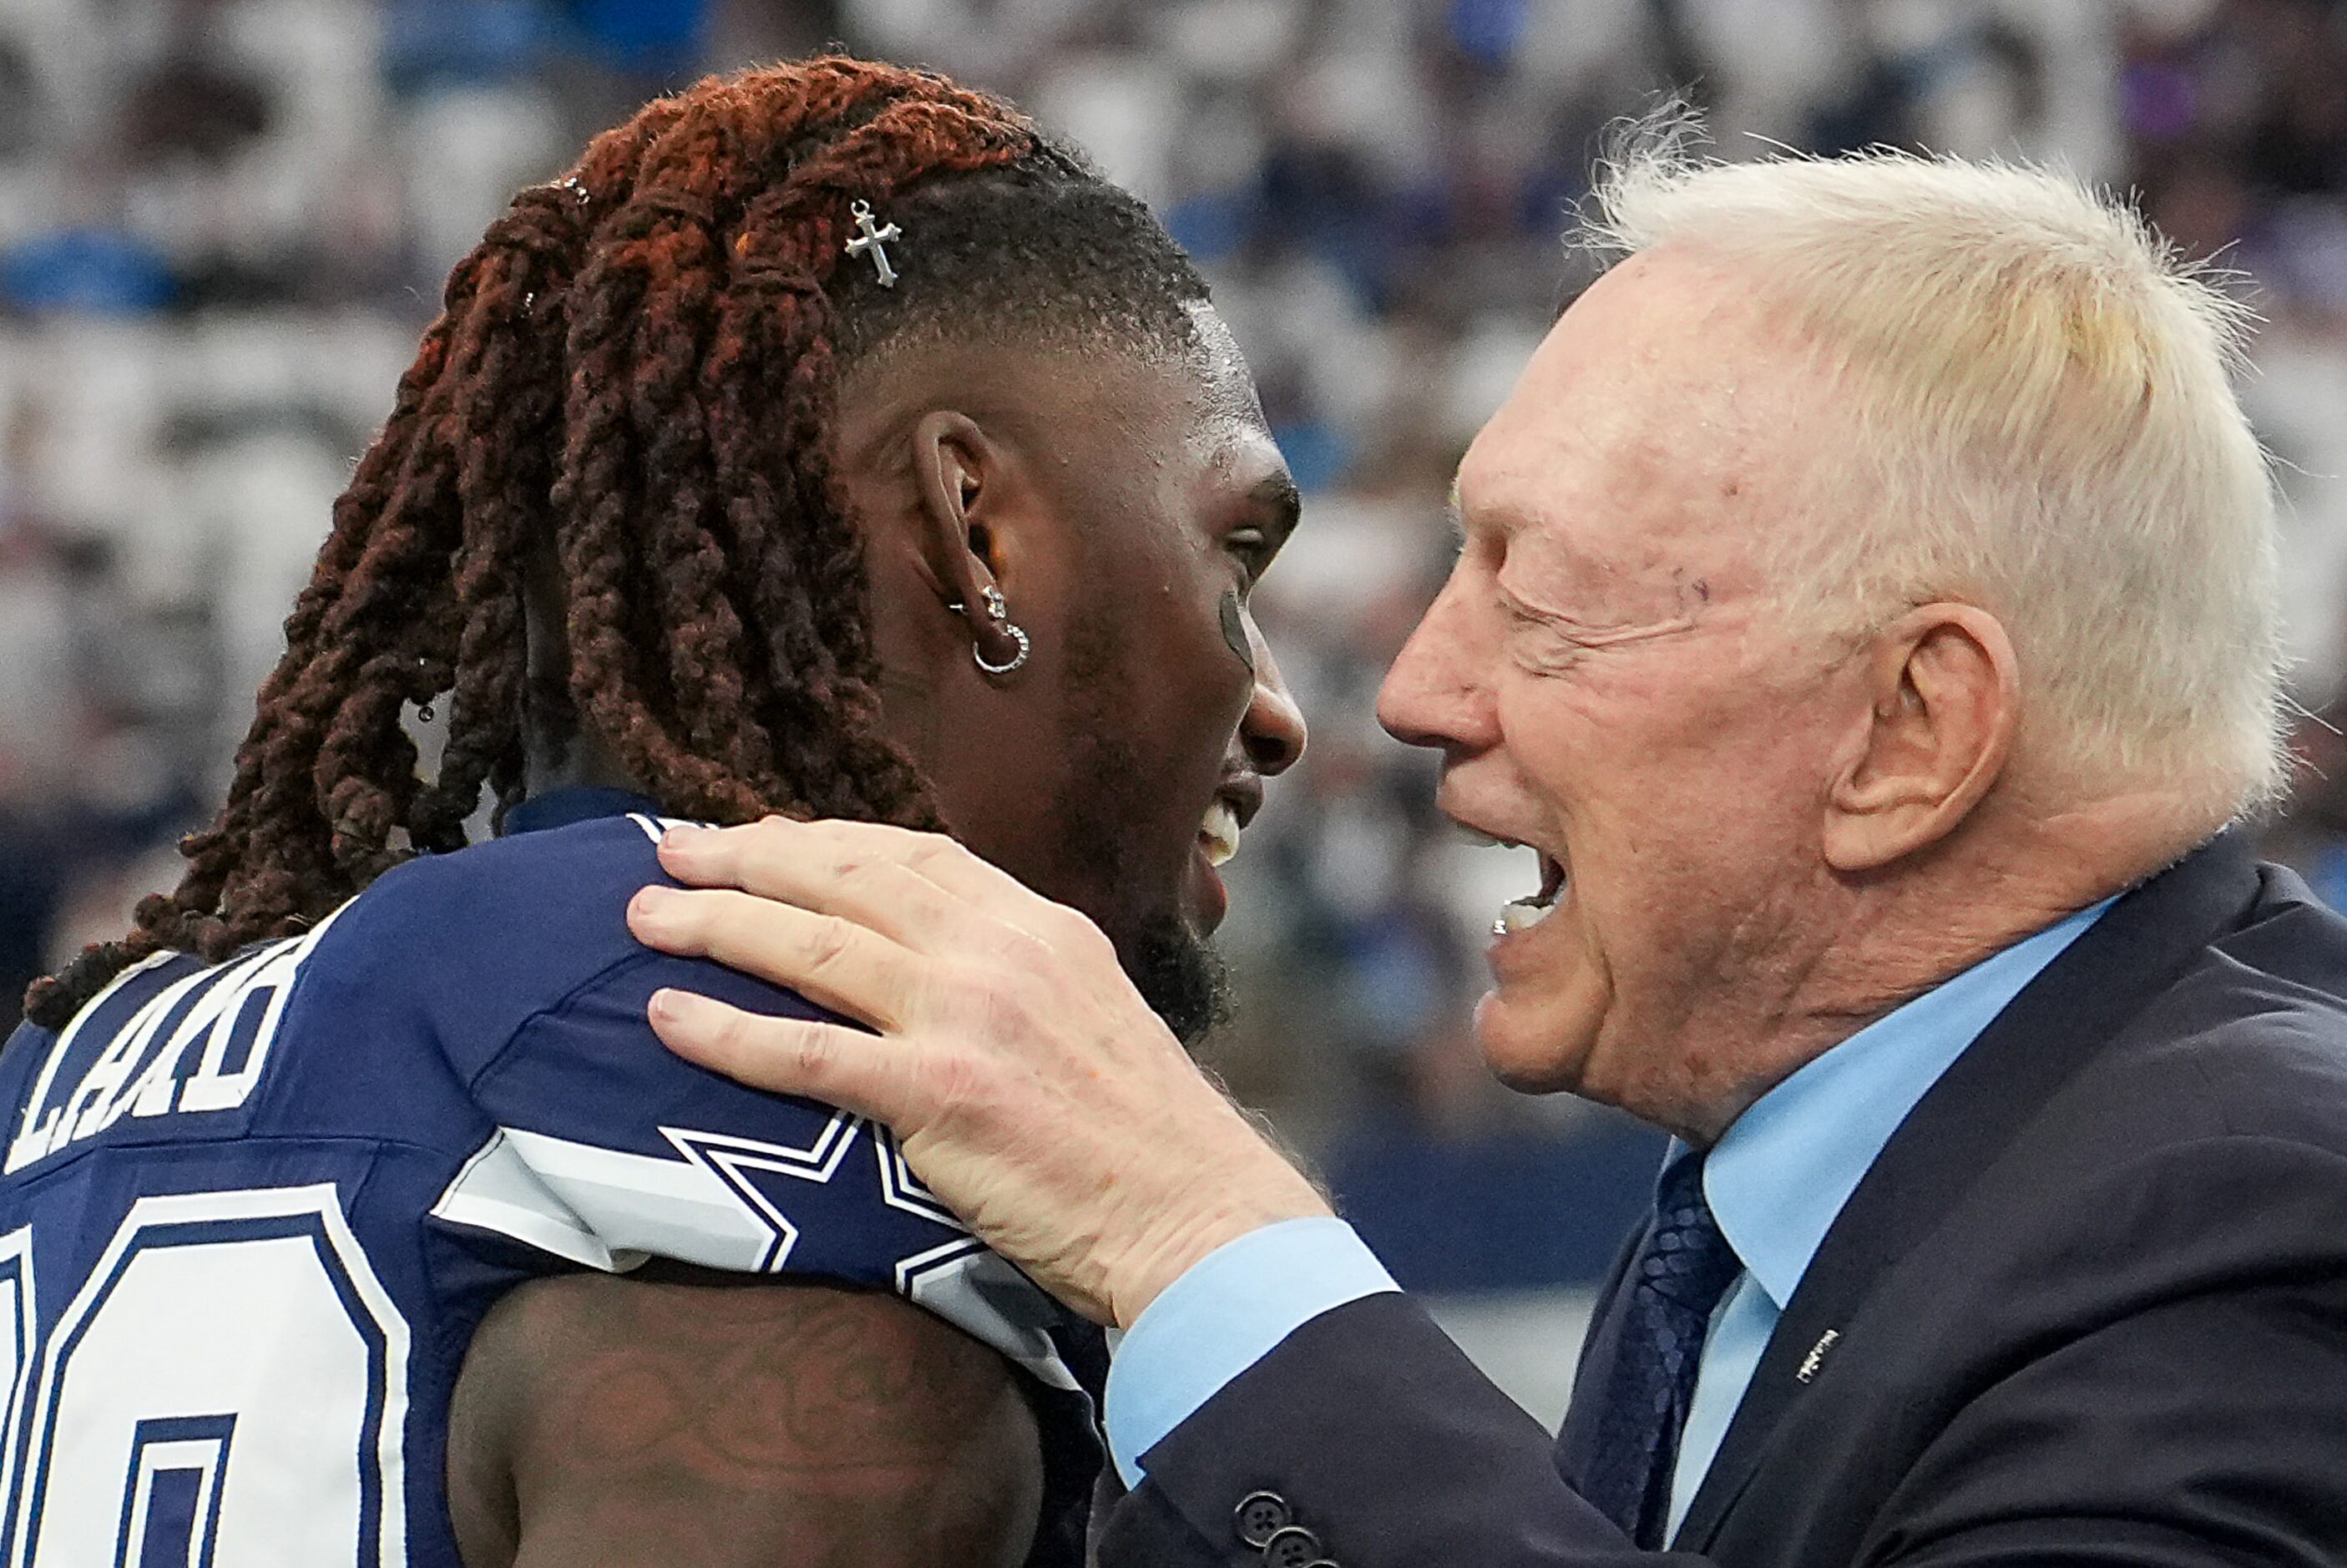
point(963, 479)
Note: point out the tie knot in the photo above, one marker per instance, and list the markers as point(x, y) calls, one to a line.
point(1687, 1260)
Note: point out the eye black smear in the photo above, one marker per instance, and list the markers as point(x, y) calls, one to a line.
point(1235, 631)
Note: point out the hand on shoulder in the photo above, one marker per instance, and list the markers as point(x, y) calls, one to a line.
point(1026, 1079)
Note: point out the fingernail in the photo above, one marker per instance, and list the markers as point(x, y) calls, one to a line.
point(682, 835)
point(648, 903)
point(670, 1005)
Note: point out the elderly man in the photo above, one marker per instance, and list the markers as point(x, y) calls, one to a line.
point(1866, 611)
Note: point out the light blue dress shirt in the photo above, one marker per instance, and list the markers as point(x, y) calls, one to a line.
point(1775, 1181)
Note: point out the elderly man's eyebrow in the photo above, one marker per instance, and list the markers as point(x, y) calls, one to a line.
point(1525, 608)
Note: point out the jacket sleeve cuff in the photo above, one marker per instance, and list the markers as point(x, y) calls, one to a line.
point(1230, 1309)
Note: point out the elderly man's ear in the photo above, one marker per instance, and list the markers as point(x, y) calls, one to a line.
point(1945, 699)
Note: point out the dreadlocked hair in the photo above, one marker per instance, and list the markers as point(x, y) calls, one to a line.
point(633, 376)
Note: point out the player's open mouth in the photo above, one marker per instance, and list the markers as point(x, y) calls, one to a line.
point(1525, 913)
point(1218, 833)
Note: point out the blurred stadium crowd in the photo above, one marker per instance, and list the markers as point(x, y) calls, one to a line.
point(223, 223)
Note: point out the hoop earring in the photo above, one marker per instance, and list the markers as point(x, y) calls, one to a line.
point(998, 609)
point(1018, 633)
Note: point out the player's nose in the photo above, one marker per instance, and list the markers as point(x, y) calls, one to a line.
point(1272, 731)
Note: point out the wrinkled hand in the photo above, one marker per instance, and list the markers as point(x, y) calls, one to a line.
point(1027, 1084)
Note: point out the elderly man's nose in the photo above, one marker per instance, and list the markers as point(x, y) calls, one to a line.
point(1433, 695)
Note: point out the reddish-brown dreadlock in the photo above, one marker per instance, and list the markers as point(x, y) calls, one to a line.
point(635, 369)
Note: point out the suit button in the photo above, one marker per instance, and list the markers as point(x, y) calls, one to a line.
point(1293, 1547)
point(1260, 1515)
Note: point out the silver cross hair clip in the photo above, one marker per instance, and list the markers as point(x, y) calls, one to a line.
point(872, 238)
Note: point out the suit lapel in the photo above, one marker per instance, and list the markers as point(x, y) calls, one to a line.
point(2057, 1023)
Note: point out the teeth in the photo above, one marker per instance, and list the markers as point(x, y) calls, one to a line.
point(1525, 913)
point(1220, 832)
point(1522, 916)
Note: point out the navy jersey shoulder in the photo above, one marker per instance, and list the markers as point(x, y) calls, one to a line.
point(473, 946)
point(280, 1192)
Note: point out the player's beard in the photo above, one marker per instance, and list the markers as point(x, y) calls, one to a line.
point(1176, 970)
point(1181, 978)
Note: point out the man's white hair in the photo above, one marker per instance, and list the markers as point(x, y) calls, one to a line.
point(2044, 425)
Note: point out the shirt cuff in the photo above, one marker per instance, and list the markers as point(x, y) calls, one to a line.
point(1230, 1310)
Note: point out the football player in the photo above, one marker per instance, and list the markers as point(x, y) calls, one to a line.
point(827, 441)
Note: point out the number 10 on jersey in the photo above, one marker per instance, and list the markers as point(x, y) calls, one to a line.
point(228, 1386)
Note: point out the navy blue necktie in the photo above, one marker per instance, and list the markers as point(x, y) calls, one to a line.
point(1677, 1277)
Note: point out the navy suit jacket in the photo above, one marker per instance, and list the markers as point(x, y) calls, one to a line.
point(2088, 1307)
